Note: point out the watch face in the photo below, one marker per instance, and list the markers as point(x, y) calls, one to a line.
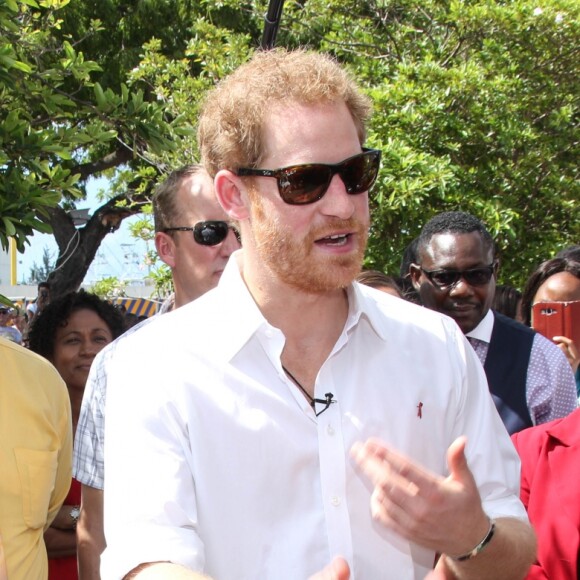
point(75, 513)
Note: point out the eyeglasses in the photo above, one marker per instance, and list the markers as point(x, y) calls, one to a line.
point(303, 184)
point(449, 278)
point(208, 233)
point(4, 311)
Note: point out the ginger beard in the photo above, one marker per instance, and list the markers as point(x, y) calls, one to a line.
point(296, 262)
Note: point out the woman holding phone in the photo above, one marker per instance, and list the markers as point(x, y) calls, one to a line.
point(556, 280)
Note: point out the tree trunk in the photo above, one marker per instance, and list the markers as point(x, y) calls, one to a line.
point(78, 246)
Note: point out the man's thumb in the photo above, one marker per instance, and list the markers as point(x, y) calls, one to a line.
point(457, 461)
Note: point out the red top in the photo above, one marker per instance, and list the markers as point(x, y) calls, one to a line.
point(65, 568)
point(550, 455)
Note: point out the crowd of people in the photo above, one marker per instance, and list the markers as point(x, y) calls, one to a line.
point(288, 415)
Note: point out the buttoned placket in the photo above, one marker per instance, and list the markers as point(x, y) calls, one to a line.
point(332, 452)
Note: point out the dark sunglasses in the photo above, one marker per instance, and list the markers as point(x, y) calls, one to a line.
point(208, 233)
point(302, 184)
point(4, 311)
point(449, 278)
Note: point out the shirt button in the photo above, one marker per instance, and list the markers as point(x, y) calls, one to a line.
point(330, 430)
point(335, 500)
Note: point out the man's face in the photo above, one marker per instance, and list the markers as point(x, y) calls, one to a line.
point(317, 247)
point(196, 268)
point(467, 304)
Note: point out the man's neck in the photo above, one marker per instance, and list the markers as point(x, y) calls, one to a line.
point(181, 298)
point(311, 323)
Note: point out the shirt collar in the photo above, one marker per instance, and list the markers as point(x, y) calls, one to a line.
point(239, 305)
point(483, 330)
point(362, 304)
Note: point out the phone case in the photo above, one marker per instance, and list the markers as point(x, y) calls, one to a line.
point(557, 319)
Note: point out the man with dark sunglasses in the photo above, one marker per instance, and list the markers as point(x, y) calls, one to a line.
point(298, 417)
point(529, 377)
point(195, 238)
point(193, 235)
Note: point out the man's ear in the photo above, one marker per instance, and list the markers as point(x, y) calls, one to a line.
point(230, 192)
point(165, 247)
point(415, 272)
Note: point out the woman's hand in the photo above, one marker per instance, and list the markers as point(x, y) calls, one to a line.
point(63, 519)
point(570, 349)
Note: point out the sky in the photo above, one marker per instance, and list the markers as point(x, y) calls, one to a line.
point(119, 255)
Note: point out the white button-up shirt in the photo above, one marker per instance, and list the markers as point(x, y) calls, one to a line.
point(215, 460)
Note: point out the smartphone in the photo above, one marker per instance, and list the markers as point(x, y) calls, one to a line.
point(557, 319)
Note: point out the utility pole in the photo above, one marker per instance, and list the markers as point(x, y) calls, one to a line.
point(271, 24)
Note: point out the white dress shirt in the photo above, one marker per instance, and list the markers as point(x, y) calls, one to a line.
point(215, 460)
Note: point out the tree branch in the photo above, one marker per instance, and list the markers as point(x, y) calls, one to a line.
point(114, 159)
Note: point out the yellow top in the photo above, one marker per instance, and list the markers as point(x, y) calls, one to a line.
point(35, 457)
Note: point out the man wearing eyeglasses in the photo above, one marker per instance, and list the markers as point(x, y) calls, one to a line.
point(300, 422)
point(529, 378)
point(195, 238)
point(193, 235)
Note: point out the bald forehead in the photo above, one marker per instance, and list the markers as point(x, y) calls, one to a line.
point(196, 197)
point(198, 185)
point(560, 287)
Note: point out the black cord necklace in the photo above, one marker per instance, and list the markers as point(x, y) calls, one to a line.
point(326, 401)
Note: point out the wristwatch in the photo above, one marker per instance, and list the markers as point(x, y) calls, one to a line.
point(74, 513)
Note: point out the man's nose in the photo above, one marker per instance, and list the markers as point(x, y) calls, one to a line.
point(337, 202)
point(461, 288)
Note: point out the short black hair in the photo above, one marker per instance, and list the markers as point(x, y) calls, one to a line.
point(453, 222)
point(42, 333)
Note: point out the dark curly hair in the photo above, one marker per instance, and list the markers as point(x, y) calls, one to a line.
point(42, 333)
point(545, 270)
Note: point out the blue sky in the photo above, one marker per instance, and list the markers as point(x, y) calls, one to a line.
point(119, 255)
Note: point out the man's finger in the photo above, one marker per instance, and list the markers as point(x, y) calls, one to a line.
point(338, 569)
point(378, 462)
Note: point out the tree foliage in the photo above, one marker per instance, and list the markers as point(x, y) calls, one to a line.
point(476, 108)
point(59, 126)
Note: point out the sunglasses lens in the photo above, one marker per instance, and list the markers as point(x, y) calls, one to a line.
point(360, 173)
point(306, 184)
point(475, 277)
point(210, 233)
point(444, 279)
point(478, 276)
